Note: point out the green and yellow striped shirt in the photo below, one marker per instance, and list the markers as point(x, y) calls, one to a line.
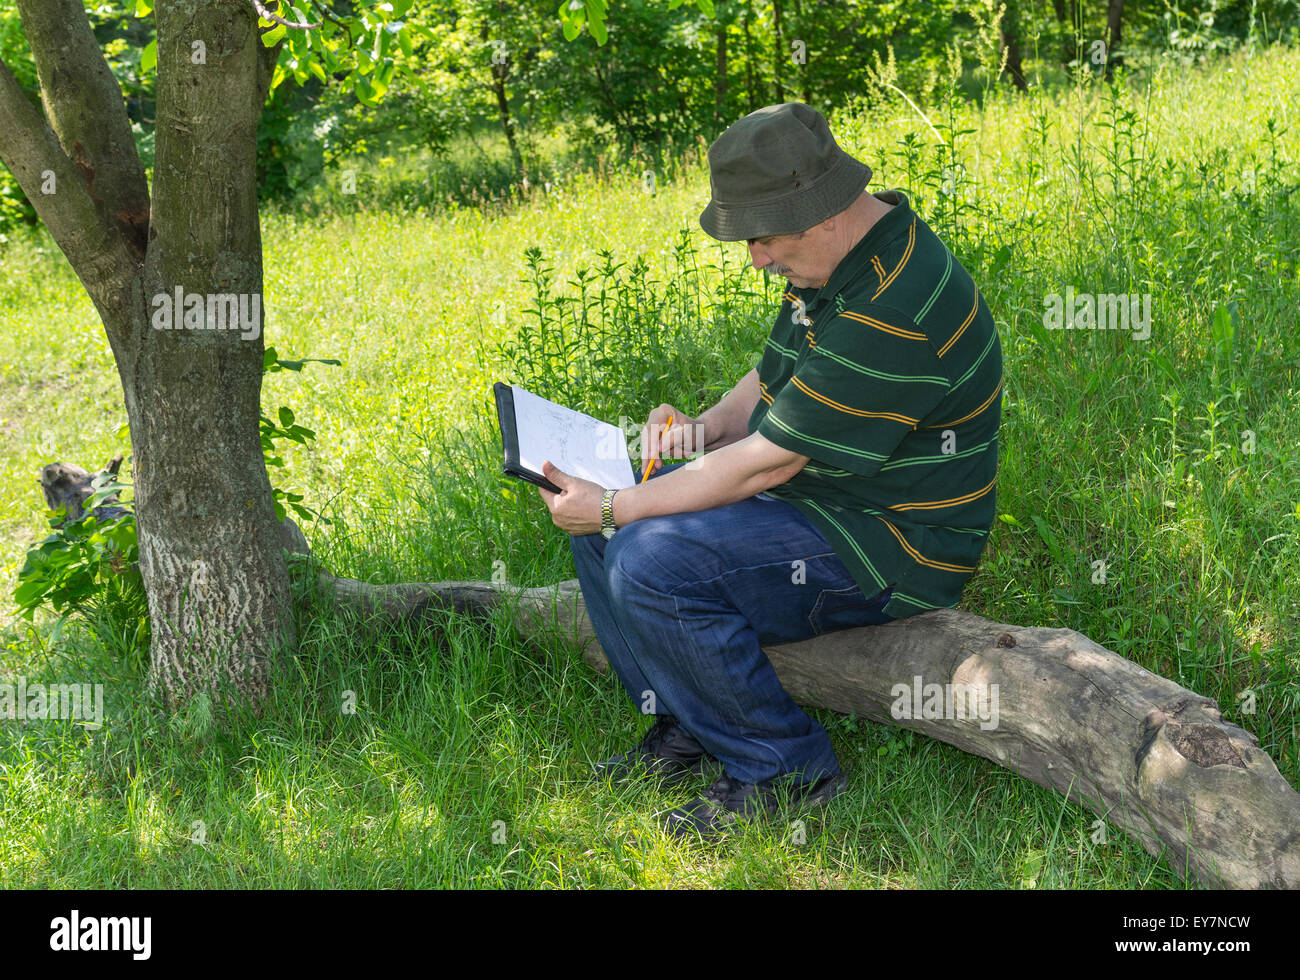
point(889, 377)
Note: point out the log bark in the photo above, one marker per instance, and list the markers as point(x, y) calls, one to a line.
point(1155, 759)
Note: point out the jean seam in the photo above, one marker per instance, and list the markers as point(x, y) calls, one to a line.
point(744, 568)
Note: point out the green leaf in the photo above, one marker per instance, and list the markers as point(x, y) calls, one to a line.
point(30, 593)
point(571, 18)
point(1000, 260)
point(149, 56)
point(1221, 327)
point(286, 416)
point(143, 8)
point(271, 37)
point(706, 7)
point(1049, 539)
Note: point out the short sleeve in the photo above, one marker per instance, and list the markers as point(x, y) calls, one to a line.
point(862, 386)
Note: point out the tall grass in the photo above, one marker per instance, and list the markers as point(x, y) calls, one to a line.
point(463, 762)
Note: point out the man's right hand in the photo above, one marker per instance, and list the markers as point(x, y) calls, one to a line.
point(684, 438)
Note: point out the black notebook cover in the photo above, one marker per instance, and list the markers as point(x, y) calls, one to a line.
point(505, 396)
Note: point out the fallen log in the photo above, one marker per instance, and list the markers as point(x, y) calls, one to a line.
point(1137, 749)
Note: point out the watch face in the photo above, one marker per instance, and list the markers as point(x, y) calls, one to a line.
point(607, 532)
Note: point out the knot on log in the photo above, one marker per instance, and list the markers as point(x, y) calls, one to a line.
point(1205, 745)
point(1006, 640)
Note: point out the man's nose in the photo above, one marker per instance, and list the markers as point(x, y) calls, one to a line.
point(757, 256)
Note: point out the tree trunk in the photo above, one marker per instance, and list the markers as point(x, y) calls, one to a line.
point(503, 112)
point(1155, 759)
point(218, 592)
point(1011, 45)
point(720, 74)
point(1067, 12)
point(1114, 21)
point(749, 62)
point(499, 69)
point(805, 67)
point(216, 580)
point(779, 53)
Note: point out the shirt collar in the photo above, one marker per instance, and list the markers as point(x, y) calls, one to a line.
point(855, 263)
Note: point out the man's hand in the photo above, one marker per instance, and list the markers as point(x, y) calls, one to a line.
point(577, 509)
point(684, 438)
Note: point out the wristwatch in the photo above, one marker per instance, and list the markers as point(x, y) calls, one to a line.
point(607, 527)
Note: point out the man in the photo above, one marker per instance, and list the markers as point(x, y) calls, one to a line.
point(847, 480)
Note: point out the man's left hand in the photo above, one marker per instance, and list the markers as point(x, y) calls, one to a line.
point(577, 509)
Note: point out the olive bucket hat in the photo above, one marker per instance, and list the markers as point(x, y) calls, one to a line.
point(778, 171)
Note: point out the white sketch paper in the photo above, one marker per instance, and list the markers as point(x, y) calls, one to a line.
point(578, 444)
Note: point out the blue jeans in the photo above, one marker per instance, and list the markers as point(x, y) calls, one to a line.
point(681, 604)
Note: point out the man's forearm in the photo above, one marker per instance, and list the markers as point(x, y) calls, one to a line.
point(728, 420)
point(735, 472)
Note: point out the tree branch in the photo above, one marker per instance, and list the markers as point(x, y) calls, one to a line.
point(86, 110)
point(267, 15)
point(97, 252)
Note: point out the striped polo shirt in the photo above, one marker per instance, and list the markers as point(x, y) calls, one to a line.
point(889, 377)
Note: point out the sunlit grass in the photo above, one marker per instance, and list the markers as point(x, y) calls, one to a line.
point(463, 763)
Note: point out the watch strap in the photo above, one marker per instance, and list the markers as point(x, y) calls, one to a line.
point(607, 511)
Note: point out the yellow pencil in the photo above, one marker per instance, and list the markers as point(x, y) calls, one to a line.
point(650, 465)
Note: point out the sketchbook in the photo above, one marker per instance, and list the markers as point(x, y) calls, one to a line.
point(534, 429)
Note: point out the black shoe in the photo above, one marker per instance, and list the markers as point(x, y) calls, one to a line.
point(728, 800)
point(667, 752)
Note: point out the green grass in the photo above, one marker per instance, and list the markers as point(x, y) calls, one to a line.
point(1113, 450)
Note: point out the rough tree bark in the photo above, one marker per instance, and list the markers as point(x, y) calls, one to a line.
point(217, 583)
point(1152, 757)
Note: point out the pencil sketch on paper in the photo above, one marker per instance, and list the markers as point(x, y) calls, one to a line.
point(578, 444)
